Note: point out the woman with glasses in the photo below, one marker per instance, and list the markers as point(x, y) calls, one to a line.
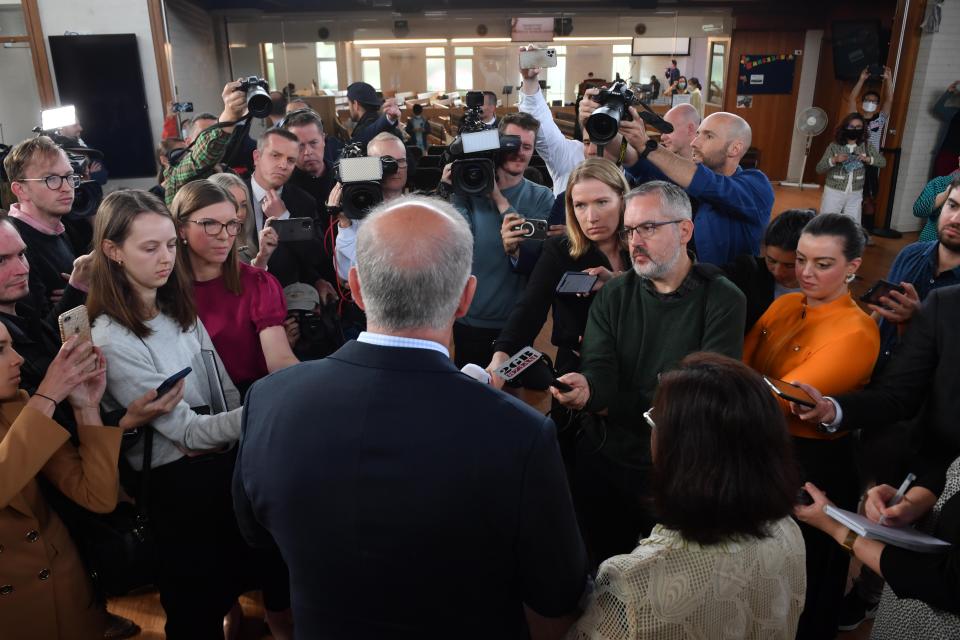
point(249, 250)
point(820, 337)
point(592, 245)
point(242, 307)
point(725, 559)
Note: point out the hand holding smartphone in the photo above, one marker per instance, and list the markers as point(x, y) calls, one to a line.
point(171, 382)
point(76, 322)
point(790, 392)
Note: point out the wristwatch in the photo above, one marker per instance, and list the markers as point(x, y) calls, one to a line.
point(647, 148)
point(849, 541)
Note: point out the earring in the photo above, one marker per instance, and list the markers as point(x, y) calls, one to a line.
point(851, 277)
point(184, 242)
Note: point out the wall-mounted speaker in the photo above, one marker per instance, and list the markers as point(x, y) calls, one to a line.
point(639, 28)
point(482, 30)
point(323, 33)
point(562, 26)
point(400, 28)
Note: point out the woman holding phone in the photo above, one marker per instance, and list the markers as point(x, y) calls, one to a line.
point(592, 245)
point(145, 321)
point(242, 307)
point(819, 336)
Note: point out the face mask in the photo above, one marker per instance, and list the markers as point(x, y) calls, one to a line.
point(869, 107)
point(682, 85)
point(853, 134)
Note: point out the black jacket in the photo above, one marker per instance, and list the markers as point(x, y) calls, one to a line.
point(412, 477)
point(752, 277)
point(319, 189)
point(49, 256)
point(293, 261)
point(369, 125)
point(569, 311)
point(920, 379)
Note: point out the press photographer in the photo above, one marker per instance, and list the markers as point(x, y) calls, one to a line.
point(498, 287)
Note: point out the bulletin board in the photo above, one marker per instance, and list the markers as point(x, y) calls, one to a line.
point(766, 74)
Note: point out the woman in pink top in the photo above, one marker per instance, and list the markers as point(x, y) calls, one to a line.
point(243, 310)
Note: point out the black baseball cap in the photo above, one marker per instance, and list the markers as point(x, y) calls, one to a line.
point(364, 94)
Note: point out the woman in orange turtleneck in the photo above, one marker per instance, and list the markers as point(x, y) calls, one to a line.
point(822, 338)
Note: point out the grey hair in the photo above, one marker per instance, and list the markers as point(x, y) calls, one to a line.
point(414, 281)
point(674, 201)
point(384, 137)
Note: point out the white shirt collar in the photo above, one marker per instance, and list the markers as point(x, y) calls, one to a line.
point(259, 193)
point(382, 340)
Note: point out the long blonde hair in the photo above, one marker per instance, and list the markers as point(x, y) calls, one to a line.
point(592, 169)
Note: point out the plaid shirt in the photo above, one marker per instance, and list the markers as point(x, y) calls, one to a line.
point(206, 151)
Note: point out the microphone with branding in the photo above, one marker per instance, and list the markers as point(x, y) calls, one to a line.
point(530, 369)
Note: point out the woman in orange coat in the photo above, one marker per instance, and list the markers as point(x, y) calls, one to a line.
point(45, 593)
point(822, 338)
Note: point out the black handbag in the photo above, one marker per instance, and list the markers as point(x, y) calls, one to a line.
point(118, 549)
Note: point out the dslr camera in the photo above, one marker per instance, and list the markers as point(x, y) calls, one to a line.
point(361, 177)
point(259, 103)
point(604, 123)
point(86, 197)
point(477, 151)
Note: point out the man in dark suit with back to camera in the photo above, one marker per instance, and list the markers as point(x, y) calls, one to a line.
point(420, 503)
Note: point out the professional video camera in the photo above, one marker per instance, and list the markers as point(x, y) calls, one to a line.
point(361, 176)
point(88, 196)
point(604, 123)
point(477, 151)
point(259, 103)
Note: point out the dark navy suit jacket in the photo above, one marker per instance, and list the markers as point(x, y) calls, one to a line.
point(407, 499)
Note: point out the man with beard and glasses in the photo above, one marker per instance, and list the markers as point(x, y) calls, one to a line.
point(734, 203)
point(641, 324)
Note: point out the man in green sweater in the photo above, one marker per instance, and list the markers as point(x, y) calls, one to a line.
point(641, 324)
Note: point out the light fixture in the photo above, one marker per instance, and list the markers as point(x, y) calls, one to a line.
point(478, 40)
point(593, 39)
point(403, 41)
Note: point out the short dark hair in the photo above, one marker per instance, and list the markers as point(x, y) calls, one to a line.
point(954, 183)
point(278, 102)
point(302, 118)
point(837, 224)
point(784, 231)
point(695, 82)
point(871, 92)
point(523, 120)
point(276, 131)
point(417, 109)
point(840, 136)
point(723, 465)
point(491, 95)
point(673, 62)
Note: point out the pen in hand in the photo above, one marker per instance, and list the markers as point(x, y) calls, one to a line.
point(900, 493)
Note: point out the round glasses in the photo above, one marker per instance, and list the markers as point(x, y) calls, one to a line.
point(55, 182)
point(213, 227)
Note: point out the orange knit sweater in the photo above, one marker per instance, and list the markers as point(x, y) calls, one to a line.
point(832, 347)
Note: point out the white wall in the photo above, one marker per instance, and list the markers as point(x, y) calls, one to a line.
point(197, 74)
point(809, 65)
point(106, 17)
point(19, 97)
point(923, 132)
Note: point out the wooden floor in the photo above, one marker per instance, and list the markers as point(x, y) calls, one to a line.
point(145, 609)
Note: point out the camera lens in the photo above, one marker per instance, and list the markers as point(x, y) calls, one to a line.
point(259, 103)
point(358, 198)
point(473, 177)
point(603, 124)
point(86, 199)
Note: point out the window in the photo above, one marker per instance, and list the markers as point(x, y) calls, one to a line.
point(271, 68)
point(621, 61)
point(557, 77)
point(463, 67)
point(436, 69)
point(718, 65)
point(370, 69)
point(327, 66)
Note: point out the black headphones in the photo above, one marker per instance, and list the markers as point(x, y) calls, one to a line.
point(299, 112)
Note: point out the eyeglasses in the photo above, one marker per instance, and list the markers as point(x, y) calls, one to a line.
point(213, 228)
point(645, 230)
point(648, 416)
point(55, 182)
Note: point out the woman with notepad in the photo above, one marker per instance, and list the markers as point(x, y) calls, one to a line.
point(921, 598)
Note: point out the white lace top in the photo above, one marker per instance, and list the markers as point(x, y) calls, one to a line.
point(672, 588)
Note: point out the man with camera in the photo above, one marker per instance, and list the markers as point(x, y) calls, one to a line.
point(734, 204)
point(640, 324)
point(365, 112)
point(209, 144)
point(488, 112)
point(44, 183)
point(499, 287)
point(433, 506)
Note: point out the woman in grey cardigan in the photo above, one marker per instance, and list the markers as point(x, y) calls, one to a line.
point(844, 161)
point(145, 322)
